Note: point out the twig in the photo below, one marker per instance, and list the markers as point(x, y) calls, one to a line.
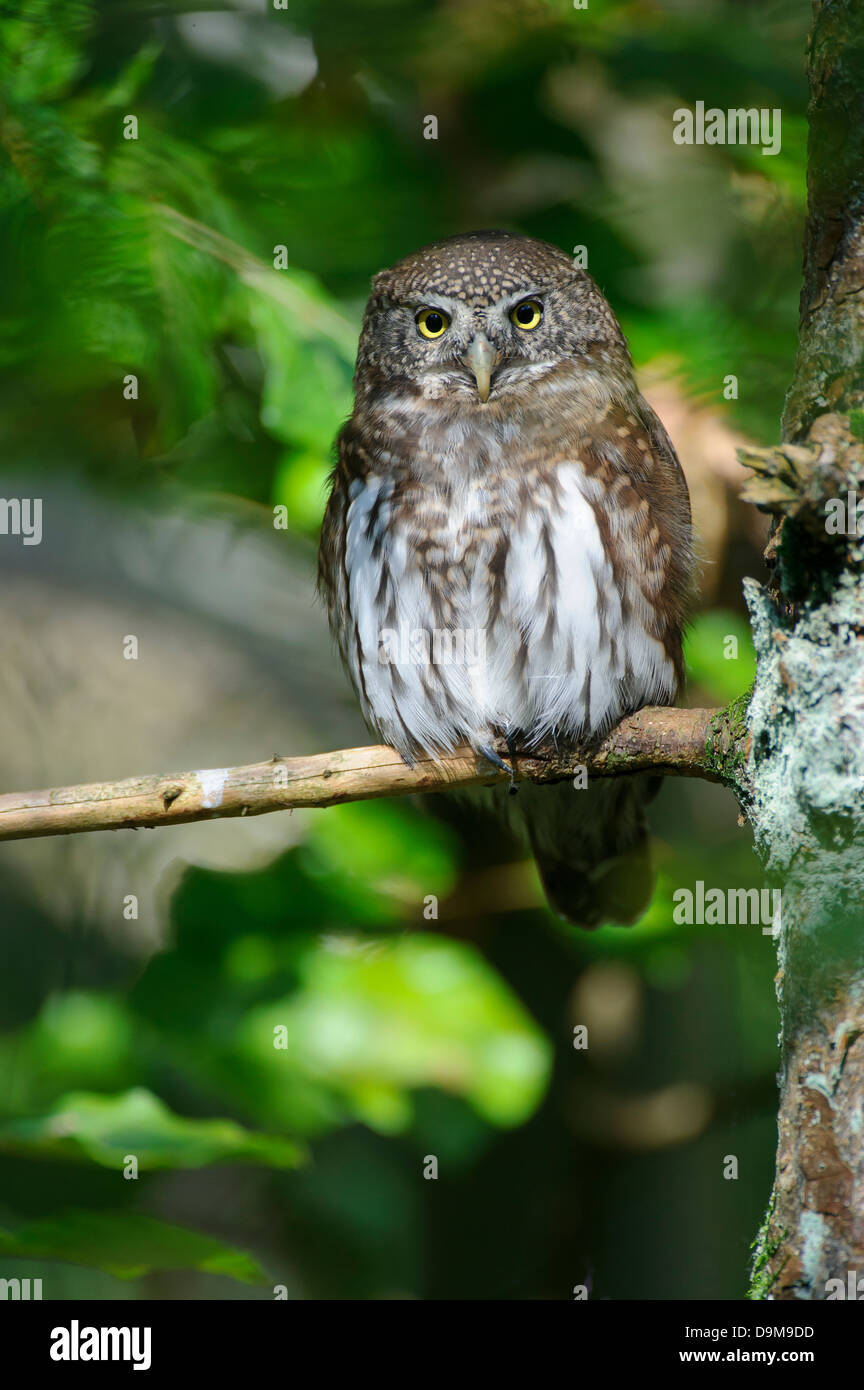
point(679, 742)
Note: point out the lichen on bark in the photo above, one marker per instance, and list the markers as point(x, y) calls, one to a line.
point(806, 752)
point(807, 813)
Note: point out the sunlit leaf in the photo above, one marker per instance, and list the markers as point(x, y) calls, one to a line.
point(376, 1019)
point(108, 1129)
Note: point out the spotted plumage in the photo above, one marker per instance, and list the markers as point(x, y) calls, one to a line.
point(506, 549)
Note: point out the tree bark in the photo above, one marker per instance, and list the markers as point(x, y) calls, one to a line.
point(807, 712)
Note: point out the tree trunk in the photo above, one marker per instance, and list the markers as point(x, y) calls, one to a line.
point(807, 712)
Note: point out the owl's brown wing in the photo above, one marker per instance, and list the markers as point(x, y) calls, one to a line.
point(591, 844)
point(642, 508)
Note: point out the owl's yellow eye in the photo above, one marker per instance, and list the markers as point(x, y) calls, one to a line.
point(431, 323)
point(528, 314)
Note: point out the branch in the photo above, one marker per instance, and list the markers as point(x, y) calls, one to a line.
point(679, 742)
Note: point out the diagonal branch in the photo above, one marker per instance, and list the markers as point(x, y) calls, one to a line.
point(680, 742)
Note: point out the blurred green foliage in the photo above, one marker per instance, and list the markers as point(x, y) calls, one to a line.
point(127, 1245)
point(223, 257)
point(719, 655)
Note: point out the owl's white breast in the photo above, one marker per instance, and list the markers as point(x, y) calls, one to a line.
point(546, 649)
point(589, 658)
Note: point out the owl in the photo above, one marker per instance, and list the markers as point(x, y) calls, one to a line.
point(506, 549)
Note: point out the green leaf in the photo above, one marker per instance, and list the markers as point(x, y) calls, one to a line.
point(307, 389)
point(300, 485)
point(310, 312)
point(128, 1245)
point(375, 1020)
point(105, 1129)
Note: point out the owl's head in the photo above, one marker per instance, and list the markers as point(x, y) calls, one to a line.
point(484, 317)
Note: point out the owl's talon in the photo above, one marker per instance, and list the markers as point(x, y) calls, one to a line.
point(496, 760)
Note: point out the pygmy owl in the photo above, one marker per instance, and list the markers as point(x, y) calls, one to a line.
point(506, 549)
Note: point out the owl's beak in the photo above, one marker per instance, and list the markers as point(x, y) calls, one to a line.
point(481, 358)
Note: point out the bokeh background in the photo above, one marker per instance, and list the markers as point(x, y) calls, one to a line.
point(222, 258)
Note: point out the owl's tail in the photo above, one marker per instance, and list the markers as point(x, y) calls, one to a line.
point(591, 847)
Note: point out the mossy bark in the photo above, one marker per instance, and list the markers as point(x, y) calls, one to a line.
point(806, 754)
